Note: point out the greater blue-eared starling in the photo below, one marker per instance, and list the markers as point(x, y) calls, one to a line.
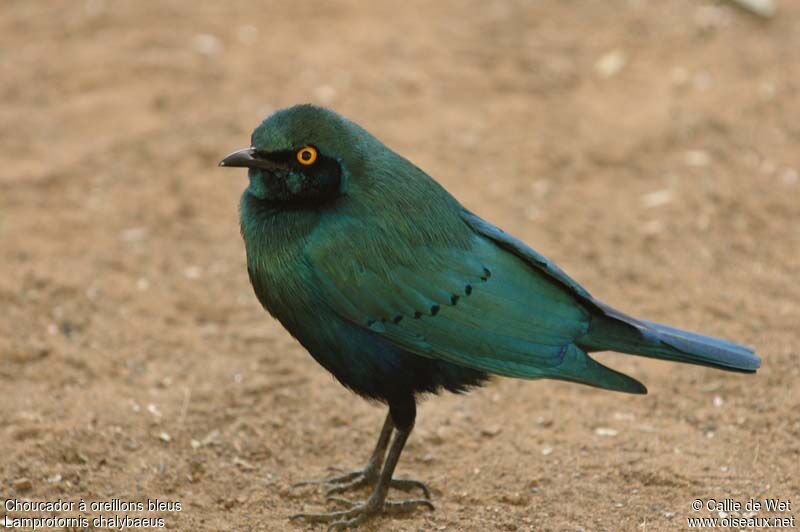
point(398, 290)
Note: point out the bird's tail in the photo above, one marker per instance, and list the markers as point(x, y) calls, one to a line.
point(615, 331)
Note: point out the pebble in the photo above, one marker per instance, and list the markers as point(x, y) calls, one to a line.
point(697, 158)
point(207, 44)
point(491, 431)
point(23, 484)
point(243, 464)
point(611, 63)
point(606, 432)
point(656, 198)
point(134, 234)
point(762, 8)
point(789, 176)
point(192, 272)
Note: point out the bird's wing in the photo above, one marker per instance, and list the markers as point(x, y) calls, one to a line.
point(477, 306)
point(616, 331)
point(529, 255)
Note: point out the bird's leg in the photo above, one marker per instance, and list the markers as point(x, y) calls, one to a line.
point(369, 475)
point(377, 502)
point(361, 477)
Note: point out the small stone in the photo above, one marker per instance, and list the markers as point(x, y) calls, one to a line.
point(697, 158)
point(192, 272)
point(491, 431)
point(767, 91)
point(209, 439)
point(243, 464)
point(23, 484)
point(207, 44)
point(134, 234)
point(656, 198)
point(762, 8)
point(611, 63)
point(789, 176)
point(547, 451)
point(163, 436)
point(606, 432)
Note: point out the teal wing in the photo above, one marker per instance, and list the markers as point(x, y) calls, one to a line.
point(613, 330)
point(476, 305)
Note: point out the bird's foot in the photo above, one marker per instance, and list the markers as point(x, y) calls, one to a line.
point(358, 513)
point(346, 481)
point(361, 478)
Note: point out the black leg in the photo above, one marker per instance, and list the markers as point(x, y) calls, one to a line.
point(362, 477)
point(402, 417)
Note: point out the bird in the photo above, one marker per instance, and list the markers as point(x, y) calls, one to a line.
point(399, 291)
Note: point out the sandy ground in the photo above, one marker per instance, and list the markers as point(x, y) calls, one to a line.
point(650, 148)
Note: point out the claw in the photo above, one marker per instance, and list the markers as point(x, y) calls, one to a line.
point(342, 500)
point(406, 505)
point(360, 512)
point(355, 483)
point(346, 478)
point(407, 484)
point(357, 513)
point(359, 479)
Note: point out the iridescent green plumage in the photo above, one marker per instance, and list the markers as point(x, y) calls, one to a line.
point(397, 289)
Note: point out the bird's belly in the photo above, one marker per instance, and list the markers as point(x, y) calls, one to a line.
point(360, 359)
point(369, 365)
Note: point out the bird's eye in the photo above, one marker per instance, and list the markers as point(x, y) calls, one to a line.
point(307, 155)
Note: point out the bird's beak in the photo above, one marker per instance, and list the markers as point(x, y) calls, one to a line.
point(247, 158)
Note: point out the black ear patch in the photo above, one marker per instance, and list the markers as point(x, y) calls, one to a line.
point(297, 186)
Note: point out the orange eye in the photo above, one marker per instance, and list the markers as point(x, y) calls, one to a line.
point(307, 155)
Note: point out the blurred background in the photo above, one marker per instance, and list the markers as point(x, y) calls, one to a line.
point(650, 148)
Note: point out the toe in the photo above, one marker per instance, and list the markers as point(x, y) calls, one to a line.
point(406, 484)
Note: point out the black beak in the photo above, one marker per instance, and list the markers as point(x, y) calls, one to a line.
point(247, 158)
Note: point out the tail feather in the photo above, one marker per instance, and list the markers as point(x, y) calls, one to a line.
point(579, 367)
point(718, 351)
point(615, 331)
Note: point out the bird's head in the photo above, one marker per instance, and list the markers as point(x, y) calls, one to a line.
point(301, 155)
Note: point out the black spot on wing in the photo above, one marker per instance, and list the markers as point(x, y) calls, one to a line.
point(378, 324)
